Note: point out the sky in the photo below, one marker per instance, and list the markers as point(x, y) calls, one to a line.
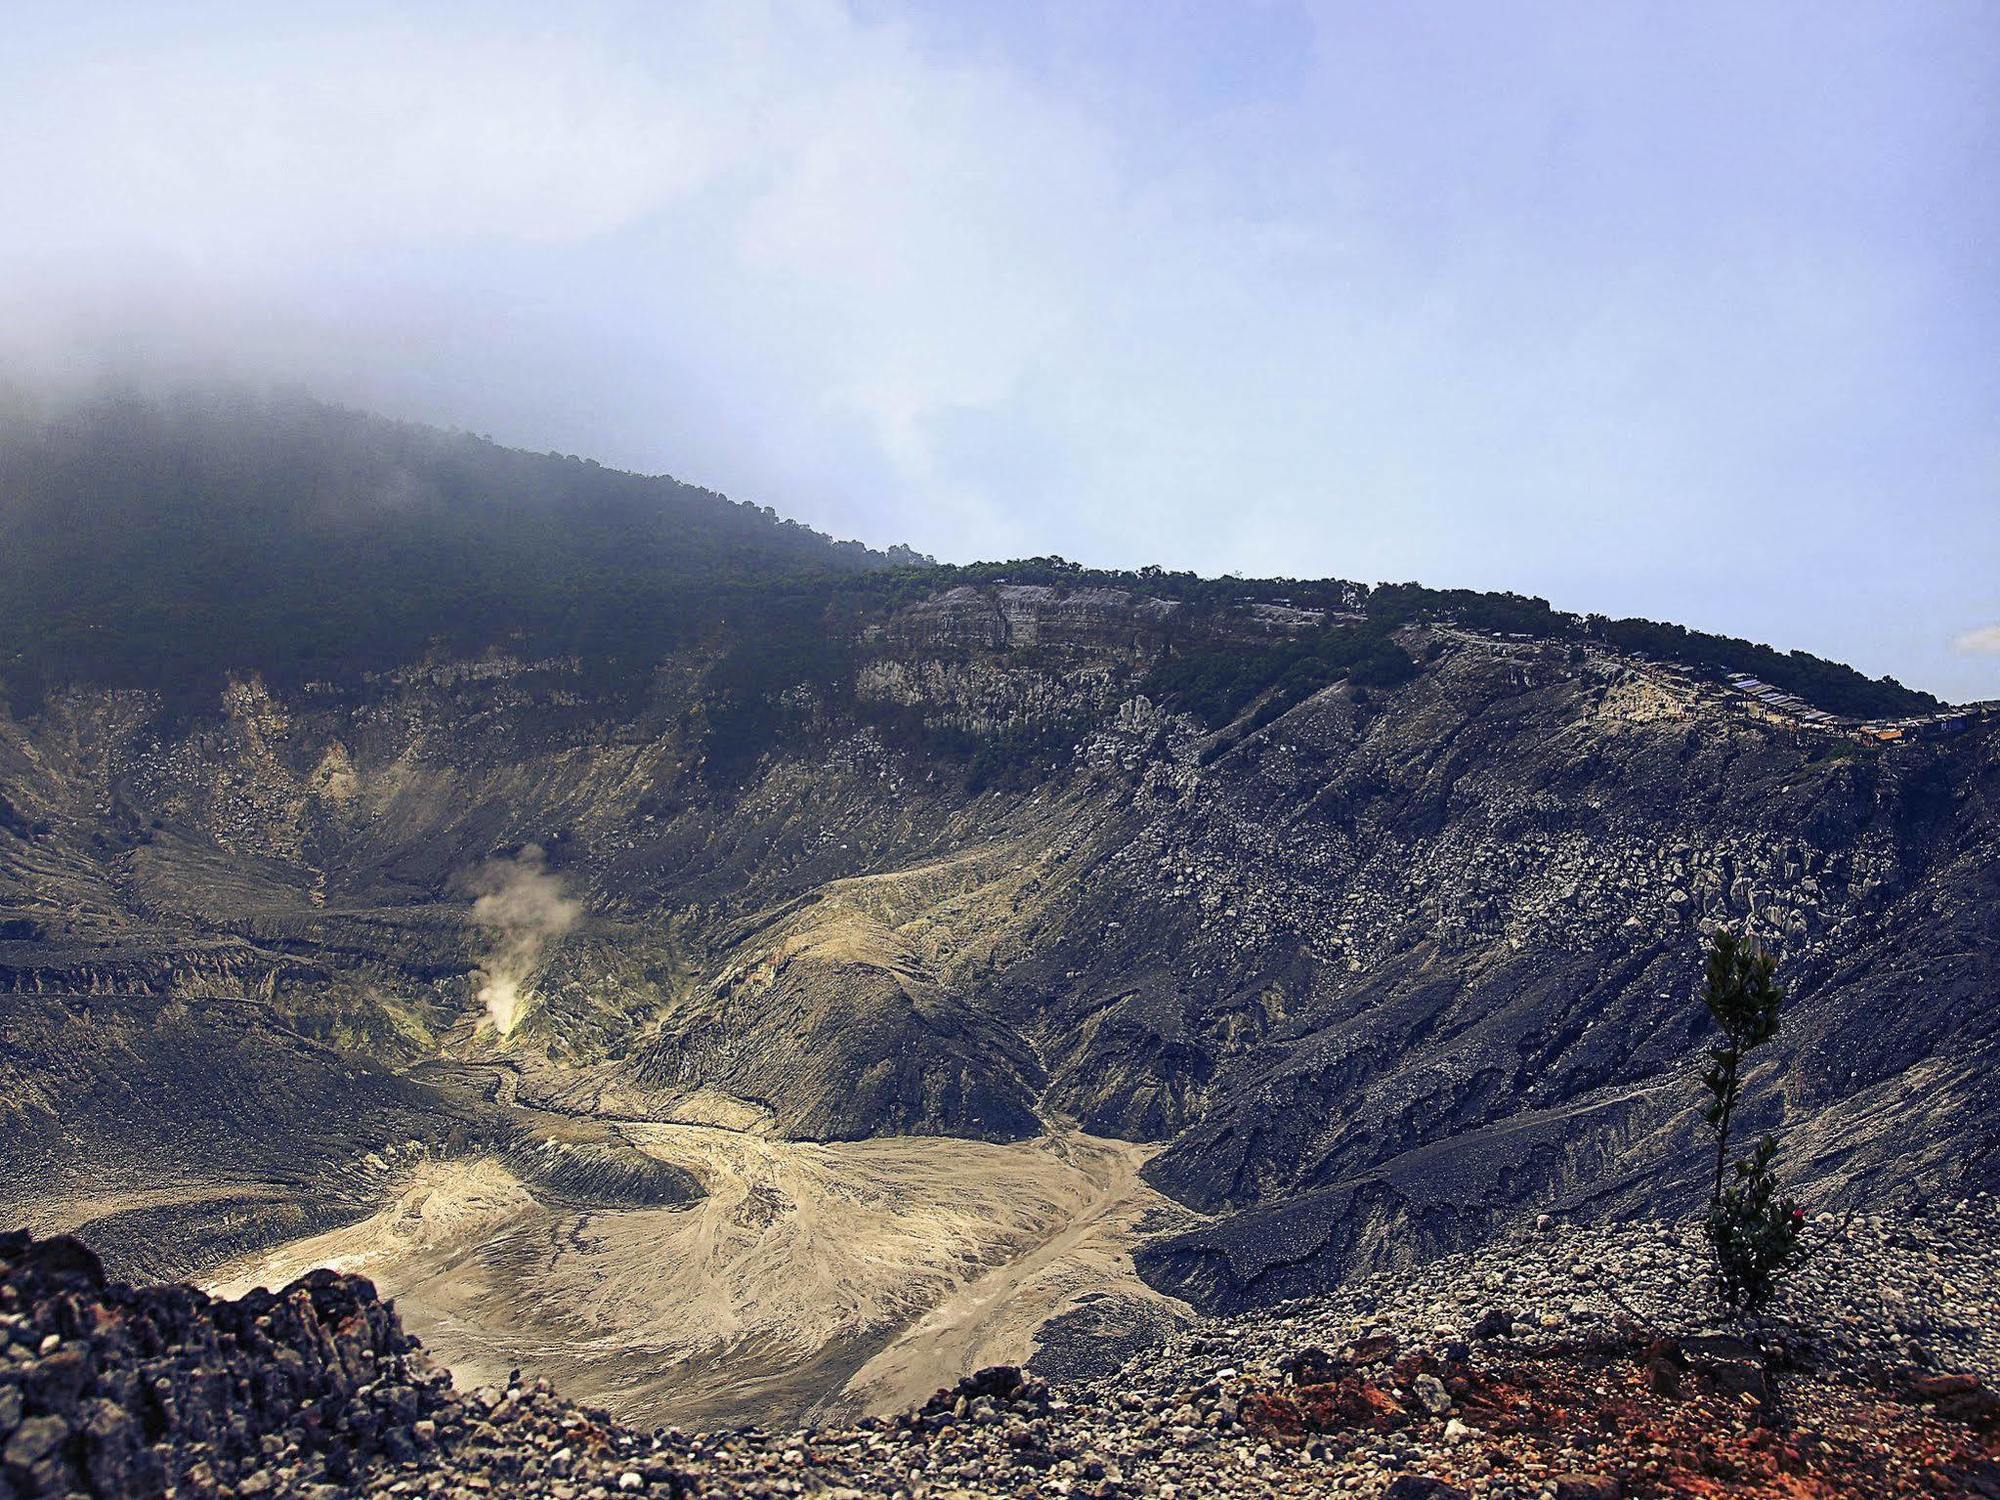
point(1686, 310)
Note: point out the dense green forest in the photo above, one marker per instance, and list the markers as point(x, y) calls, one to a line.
point(164, 544)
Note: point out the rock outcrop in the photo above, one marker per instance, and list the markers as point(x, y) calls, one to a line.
point(115, 1392)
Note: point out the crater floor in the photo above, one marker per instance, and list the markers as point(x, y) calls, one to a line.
point(877, 1270)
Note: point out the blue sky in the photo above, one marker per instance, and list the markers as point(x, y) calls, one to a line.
point(1685, 310)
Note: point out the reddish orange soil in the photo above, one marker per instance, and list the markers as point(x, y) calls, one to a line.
point(1663, 1422)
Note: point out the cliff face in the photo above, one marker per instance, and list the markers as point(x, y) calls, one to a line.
point(1382, 971)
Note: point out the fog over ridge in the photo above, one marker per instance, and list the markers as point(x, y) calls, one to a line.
point(1570, 301)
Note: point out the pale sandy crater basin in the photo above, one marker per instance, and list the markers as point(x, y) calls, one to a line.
point(812, 1277)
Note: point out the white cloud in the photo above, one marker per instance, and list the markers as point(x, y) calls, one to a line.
point(1422, 307)
point(339, 142)
point(773, 196)
point(1984, 641)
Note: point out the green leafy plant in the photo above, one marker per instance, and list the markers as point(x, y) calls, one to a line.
point(1754, 1231)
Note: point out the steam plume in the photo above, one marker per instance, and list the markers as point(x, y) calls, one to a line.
point(522, 907)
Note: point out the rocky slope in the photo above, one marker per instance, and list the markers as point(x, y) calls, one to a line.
point(1561, 1364)
point(1377, 931)
point(1383, 973)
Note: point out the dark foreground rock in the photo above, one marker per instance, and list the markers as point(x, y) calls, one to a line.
point(1569, 1364)
point(113, 1391)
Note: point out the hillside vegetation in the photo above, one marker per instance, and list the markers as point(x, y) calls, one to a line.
point(164, 544)
point(160, 545)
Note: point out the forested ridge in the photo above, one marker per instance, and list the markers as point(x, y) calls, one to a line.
point(163, 544)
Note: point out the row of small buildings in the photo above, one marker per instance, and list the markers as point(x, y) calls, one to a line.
point(1939, 725)
point(1780, 701)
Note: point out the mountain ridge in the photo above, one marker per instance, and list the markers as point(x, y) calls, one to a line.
point(1371, 917)
point(229, 532)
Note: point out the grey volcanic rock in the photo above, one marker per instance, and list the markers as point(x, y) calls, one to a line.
point(890, 1053)
point(1384, 973)
point(163, 1391)
point(1569, 1360)
point(179, 1134)
point(1516, 902)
